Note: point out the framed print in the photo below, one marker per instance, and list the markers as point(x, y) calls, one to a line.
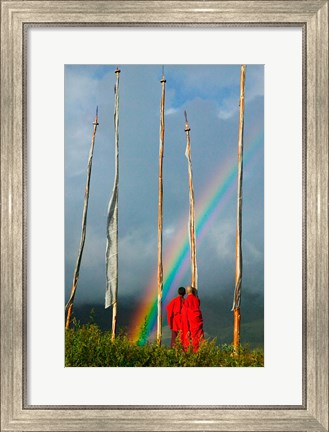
point(43, 42)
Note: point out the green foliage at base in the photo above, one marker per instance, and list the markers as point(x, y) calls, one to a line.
point(89, 346)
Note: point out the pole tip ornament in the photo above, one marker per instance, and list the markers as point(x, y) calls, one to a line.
point(163, 79)
point(242, 82)
point(95, 123)
point(187, 128)
point(117, 70)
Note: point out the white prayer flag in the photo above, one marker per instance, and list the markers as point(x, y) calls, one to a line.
point(112, 218)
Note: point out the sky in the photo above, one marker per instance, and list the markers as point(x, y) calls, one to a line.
point(210, 96)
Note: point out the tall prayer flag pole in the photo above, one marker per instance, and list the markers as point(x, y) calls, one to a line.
point(160, 202)
point(238, 261)
point(69, 305)
point(191, 211)
point(111, 254)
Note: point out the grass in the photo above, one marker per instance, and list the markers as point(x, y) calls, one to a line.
point(88, 346)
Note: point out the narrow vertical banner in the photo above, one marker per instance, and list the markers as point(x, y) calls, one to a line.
point(69, 305)
point(111, 254)
point(160, 211)
point(191, 229)
point(238, 259)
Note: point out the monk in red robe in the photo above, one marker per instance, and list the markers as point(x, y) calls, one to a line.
point(174, 315)
point(192, 321)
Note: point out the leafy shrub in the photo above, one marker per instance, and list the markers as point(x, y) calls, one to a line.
point(87, 346)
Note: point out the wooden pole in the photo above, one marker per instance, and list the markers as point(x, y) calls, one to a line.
point(191, 207)
point(238, 260)
point(160, 212)
point(69, 305)
point(114, 319)
point(117, 74)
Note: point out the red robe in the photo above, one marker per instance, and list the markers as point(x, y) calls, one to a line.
point(192, 322)
point(174, 316)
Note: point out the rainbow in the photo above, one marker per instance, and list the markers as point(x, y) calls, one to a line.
point(213, 200)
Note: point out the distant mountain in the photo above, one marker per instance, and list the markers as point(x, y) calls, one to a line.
point(218, 318)
point(103, 317)
point(217, 315)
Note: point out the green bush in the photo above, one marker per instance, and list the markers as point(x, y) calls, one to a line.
point(87, 346)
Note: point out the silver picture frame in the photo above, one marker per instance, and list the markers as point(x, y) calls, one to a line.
point(16, 17)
